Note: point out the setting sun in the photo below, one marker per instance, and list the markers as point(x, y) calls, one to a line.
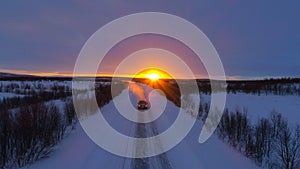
point(153, 76)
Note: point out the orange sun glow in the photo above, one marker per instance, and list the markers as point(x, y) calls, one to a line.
point(153, 76)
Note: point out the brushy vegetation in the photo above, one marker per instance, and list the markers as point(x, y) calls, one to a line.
point(31, 132)
point(270, 142)
point(31, 125)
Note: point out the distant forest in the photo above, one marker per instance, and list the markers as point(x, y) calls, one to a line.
point(282, 86)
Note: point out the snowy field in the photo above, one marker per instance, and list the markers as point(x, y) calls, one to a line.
point(44, 84)
point(37, 84)
point(9, 95)
point(258, 106)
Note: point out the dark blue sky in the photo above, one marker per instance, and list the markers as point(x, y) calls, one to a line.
point(253, 38)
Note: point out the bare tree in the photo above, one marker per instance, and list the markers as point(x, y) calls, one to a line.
point(287, 149)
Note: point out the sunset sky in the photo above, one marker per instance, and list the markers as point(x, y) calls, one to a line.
point(253, 38)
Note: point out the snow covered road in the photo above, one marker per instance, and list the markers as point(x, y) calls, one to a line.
point(78, 151)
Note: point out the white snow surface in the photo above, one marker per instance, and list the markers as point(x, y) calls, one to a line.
point(9, 95)
point(258, 106)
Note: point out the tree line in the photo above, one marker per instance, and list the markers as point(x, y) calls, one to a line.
point(30, 132)
point(270, 142)
point(281, 86)
point(26, 88)
point(34, 98)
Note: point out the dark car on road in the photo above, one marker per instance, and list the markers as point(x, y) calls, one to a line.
point(142, 105)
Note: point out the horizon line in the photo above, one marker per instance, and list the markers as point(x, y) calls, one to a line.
point(71, 75)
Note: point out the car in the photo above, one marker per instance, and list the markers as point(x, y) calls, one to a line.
point(142, 105)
